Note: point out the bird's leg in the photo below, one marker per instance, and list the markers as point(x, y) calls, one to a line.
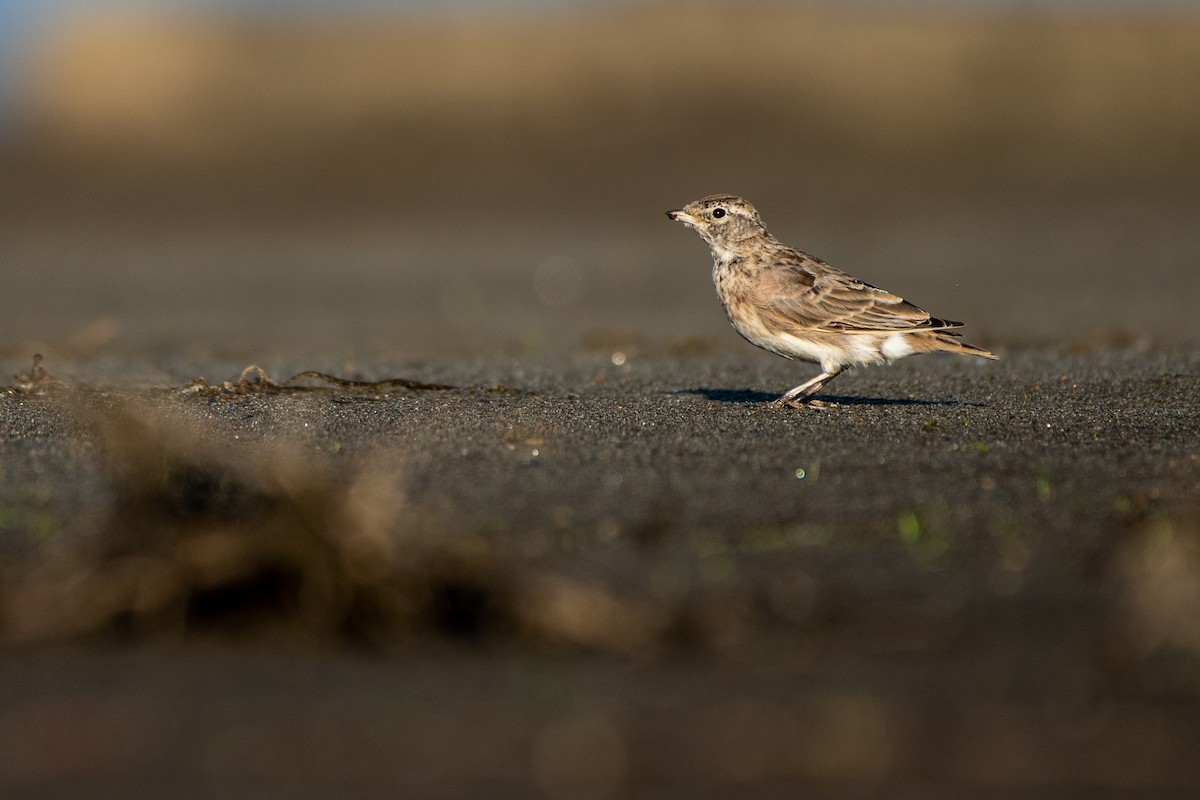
point(802, 394)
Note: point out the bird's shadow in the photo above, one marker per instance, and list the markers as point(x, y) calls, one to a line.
point(752, 396)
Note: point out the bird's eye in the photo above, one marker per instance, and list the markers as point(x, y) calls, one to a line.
point(718, 213)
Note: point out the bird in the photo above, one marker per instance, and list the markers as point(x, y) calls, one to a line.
point(797, 306)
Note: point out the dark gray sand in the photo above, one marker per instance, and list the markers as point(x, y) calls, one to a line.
point(584, 578)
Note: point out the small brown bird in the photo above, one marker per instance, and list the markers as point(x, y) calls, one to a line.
point(797, 306)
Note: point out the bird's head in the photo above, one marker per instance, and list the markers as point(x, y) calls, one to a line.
point(722, 220)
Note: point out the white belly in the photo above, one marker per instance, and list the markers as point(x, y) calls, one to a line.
point(845, 350)
point(832, 351)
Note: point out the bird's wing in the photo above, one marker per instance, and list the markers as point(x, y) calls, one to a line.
point(811, 294)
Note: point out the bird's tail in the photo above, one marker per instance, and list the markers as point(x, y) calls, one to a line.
point(947, 342)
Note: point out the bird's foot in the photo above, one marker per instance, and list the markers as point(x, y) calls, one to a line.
point(805, 403)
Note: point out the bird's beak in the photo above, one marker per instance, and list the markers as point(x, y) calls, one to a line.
point(681, 216)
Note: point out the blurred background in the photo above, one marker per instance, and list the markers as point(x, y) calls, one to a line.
point(251, 179)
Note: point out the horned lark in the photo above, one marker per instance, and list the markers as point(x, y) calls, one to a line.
point(797, 306)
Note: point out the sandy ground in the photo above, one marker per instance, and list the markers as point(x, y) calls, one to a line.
point(599, 564)
point(969, 580)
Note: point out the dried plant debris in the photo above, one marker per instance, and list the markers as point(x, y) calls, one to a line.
point(265, 545)
point(37, 380)
point(1156, 639)
point(254, 380)
point(389, 383)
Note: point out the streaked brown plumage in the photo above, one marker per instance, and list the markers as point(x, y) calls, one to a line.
point(797, 306)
